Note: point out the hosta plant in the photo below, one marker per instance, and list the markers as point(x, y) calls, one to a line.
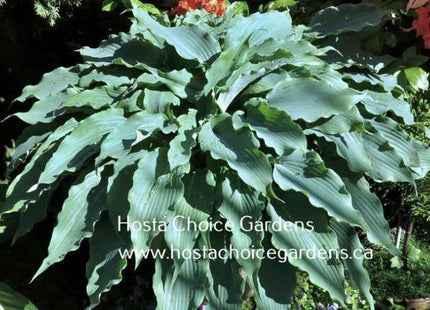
point(213, 119)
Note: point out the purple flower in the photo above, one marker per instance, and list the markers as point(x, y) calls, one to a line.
point(301, 294)
point(333, 306)
point(347, 297)
point(203, 305)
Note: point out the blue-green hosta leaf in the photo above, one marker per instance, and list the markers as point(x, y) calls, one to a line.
point(370, 207)
point(221, 69)
point(242, 206)
point(330, 75)
point(136, 128)
point(104, 54)
point(239, 148)
point(96, 98)
point(177, 235)
point(424, 156)
point(12, 300)
point(397, 138)
point(47, 109)
point(348, 52)
point(190, 42)
point(130, 103)
point(154, 193)
point(33, 213)
point(274, 292)
point(181, 146)
point(307, 173)
point(226, 285)
point(346, 17)
point(241, 37)
point(148, 80)
point(157, 101)
point(311, 99)
point(18, 195)
point(119, 184)
point(196, 205)
point(76, 221)
point(244, 76)
point(380, 103)
point(325, 272)
point(349, 146)
point(178, 81)
point(240, 202)
point(28, 142)
point(112, 76)
point(258, 28)
point(274, 126)
point(52, 82)
point(105, 264)
point(386, 81)
point(125, 50)
point(387, 164)
point(185, 291)
point(348, 240)
point(266, 83)
point(80, 144)
point(341, 123)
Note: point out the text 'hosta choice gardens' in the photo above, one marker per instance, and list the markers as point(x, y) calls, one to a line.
point(238, 124)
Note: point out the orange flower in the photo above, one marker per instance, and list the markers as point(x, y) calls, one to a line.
point(413, 4)
point(185, 6)
point(211, 6)
point(214, 6)
point(422, 24)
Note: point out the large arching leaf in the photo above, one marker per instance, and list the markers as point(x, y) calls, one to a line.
point(346, 17)
point(326, 272)
point(153, 195)
point(310, 99)
point(52, 82)
point(105, 264)
point(87, 198)
point(240, 150)
point(190, 42)
point(275, 127)
point(79, 145)
point(348, 239)
point(186, 291)
point(306, 173)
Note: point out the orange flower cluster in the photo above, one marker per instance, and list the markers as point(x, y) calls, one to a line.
point(413, 4)
point(422, 24)
point(211, 6)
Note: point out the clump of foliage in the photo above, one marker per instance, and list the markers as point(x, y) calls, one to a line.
point(215, 118)
point(309, 296)
point(389, 281)
point(50, 8)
